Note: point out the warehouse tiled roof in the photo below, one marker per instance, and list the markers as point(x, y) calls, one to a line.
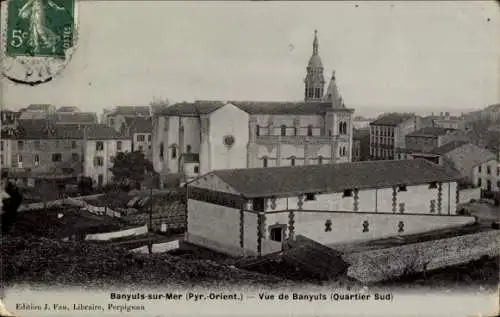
point(76, 118)
point(139, 124)
point(392, 119)
point(103, 132)
point(448, 147)
point(287, 181)
point(132, 110)
point(431, 132)
point(251, 107)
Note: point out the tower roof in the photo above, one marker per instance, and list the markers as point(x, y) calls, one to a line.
point(315, 60)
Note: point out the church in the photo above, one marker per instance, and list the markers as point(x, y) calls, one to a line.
point(193, 138)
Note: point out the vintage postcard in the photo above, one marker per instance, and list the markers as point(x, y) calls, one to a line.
point(249, 158)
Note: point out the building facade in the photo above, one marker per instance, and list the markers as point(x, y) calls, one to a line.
point(140, 131)
point(388, 133)
point(423, 142)
point(239, 134)
point(253, 211)
point(486, 175)
point(116, 117)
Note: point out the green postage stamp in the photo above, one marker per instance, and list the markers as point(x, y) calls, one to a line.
point(38, 38)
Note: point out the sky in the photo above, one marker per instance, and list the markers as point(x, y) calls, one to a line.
point(388, 56)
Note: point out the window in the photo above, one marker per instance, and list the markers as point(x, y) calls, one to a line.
point(317, 92)
point(283, 130)
point(365, 226)
point(402, 188)
point(100, 180)
point(37, 160)
point(73, 144)
point(347, 193)
point(320, 160)
point(292, 161)
point(99, 146)
point(257, 130)
point(20, 145)
point(309, 130)
point(295, 131)
point(1, 144)
point(149, 137)
point(433, 185)
point(98, 161)
point(498, 184)
point(344, 128)
point(264, 161)
point(498, 171)
point(402, 208)
point(36, 144)
point(479, 168)
point(479, 182)
point(111, 121)
point(75, 157)
point(162, 148)
point(119, 145)
point(56, 157)
point(140, 138)
point(188, 148)
point(310, 196)
point(340, 128)
point(488, 170)
point(330, 132)
point(196, 169)
point(401, 226)
point(140, 148)
point(328, 225)
point(174, 152)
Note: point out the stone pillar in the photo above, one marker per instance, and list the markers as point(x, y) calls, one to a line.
point(291, 224)
point(394, 198)
point(440, 197)
point(242, 229)
point(306, 153)
point(356, 200)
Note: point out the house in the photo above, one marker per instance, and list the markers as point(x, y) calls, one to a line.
point(140, 131)
point(101, 144)
point(361, 144)
point(253, 211)
point(249, 134)
point(75, 118)
point(423, 141)
point(387, 135)
point(469, 160)
point(115, 118)
point(37, 111)
point(9, 118)
point(444, 120)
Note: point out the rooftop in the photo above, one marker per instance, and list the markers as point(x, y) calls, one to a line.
point(131, 110)
point(68, 109)
point(288, 181)
point(43, 131)
point(431, 132)
point(392, 119)
point(200, 107)
point(139, 124)
point(448, 147)
point(76, 117)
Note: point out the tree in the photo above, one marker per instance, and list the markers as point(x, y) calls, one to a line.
point(131, 168)
point(10, 207)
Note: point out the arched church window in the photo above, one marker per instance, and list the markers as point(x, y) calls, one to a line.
point(292, 161)
point(317, 93)
point(344, 127)
point(264, 161)
point(283, 130)
point(174, 152)
point(320, 160)
point(340, 127)
point(309, 130)
point(311, 92)
point(257, 130)
point(162, 149)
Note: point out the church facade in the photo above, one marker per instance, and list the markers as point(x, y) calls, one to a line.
point(191, 139)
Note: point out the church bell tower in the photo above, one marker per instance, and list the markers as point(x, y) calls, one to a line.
point(314, 81)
